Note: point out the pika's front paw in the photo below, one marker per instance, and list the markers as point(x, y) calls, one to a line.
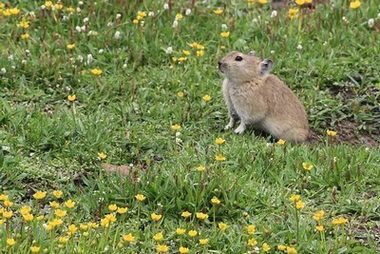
point(228, 126)
point(240, 129)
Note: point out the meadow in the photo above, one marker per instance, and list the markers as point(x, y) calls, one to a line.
point(89, 87)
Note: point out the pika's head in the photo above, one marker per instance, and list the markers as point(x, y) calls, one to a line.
point(240, 67)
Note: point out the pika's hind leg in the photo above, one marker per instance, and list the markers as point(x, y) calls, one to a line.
point(295, 135)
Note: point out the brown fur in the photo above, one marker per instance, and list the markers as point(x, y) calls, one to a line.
point(261, 99)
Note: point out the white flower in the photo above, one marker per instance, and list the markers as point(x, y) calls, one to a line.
point(89, 59)
point(10, 58)
point(43, 7)
point(151, 14)
point(83, 28)
point(93, 33)
point(101, 51)
point(142, 22)
point(177, 134)
point(78, 29)
point(169, 50)
point(378, 15)
point(224, 27)
point(3, 71)
point(178, 141)
point(299, 47)
point(166, 6)
point(79, 9)
point(345, 20)
point(188, 12)
point(371, 23)
point(117, 35)
point(80, 58)
point(272, 52)
point(23, 61)
point(273, 14)
point(175, 23)
point(85, 20)
point(118, 16)
point(324, 43)
point(64, 18)
point(109, 24)
point(80, 3)
point(13, 67)
point(124, 66)
point(27, 51)
point(255, 20)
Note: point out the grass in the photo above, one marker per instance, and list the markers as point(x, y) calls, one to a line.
point(128, 113)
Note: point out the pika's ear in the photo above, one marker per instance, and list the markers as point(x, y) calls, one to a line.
point(266, 66)
point(252, 53)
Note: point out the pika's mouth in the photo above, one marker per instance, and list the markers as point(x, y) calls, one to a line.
point(221, 66)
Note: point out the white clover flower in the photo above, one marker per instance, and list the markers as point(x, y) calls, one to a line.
point(117, 35)
point(64, 18)
point(10, 57)
point(371, 23)
point(188, 12)
point(78, 29)
point(101, 51)
point(80, 58)
point(175, 24)
point(23, 61)
point(166, 6)
point(142, 22)
point(224, 27)
point(125, 66)
point(151, 14)
point(118, 16)
point(93, 33)
point(78, 9)
point(80, 3)
point(109, 24)
point(43, 7)
point(85, 20)
point(324, 43)
point(89, 59)
point(273, 14)
point(299, 47)
point(169, 50)
point(272, 52)
point(83, 28)
point(177, 134)
point(3, 70)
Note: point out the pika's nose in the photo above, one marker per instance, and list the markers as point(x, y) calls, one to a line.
point(219, 64)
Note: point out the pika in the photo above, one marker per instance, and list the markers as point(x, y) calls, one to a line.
point(258, 98)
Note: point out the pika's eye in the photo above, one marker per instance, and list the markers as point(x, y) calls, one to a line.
point(238, 58)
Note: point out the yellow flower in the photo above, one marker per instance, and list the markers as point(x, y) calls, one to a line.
point(35, 249)
point(307, 166)
point(96, 71)
point(178, 16)
point(293, 13)
point(291, 250)
point(7, 203)
point(220, 157)
point(3, 197)
point(102, 156)
point(135, 21)
point(112, 207)
point(192, 233)
point(7, 214)
point(69, 203)
point(206, 98)
point(122, 210)
point(162, 248)
point(25, 36)
point(281, 247)
point(203, 241)
point(14, 11)
point(215, 201)
point(186, 52)
point(155, 217)
point(176, 127)
point(58, 6)
point(295, 198)
point(180, 231)
point(10, 242)
point(71, 98)
point(218, 11)
point(141, 14)
point(180, 94)
point(54, 204)
point(201, 168)
point(339, 221)
point(105, 222)
point(320, 228)
point(158, 237)
point(60, 213)
point(200, 53)
point(183, 250)
point(57, 193)
point(40, 217)
point(70, 46)
point(39, 195)
point(70, 10)
point(300, 2)
point(140, 197)
point(252, 242)
point(182, 59)
point(251, 229)
point(63, 239)
point(28, 217)
point(308, 1)
point(222, 226)
point(111, 217)
point(318, 215)
point(48, 4)
point(225, 34)
point(23, 24)
point(201, 216)
point(263, 1)
point(72, 229)
point(185, 214)
point(281, 142)
point(355, 4)
point(219, 141)
point(25, 209)
point(266, 247)
point(129, 238)
point(300, 205)
point(331, 133)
